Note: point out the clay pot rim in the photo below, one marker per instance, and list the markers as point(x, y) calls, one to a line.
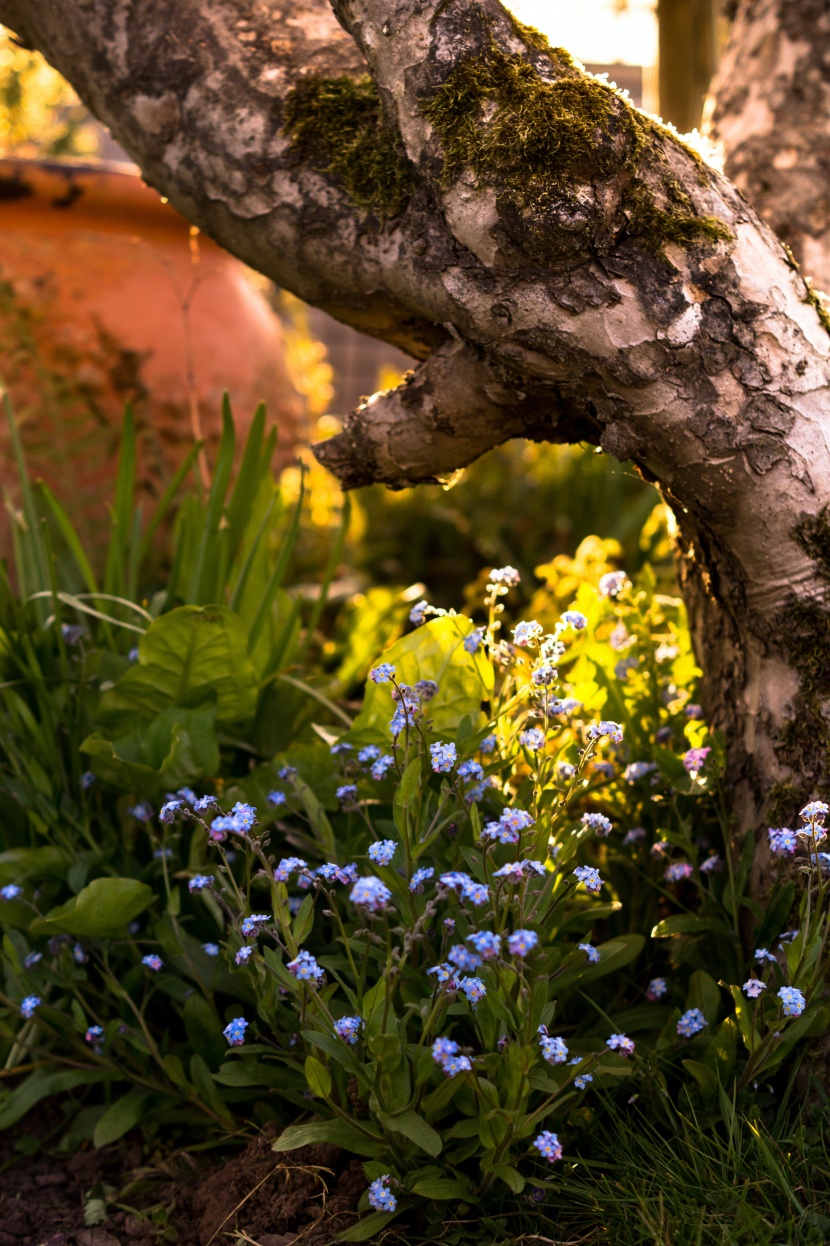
point(108, 189)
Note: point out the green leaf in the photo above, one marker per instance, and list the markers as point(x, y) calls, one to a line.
point(704, 1076)
point(683, 923)
point(435, 651)
point(613, 955)
point(337, 1132)
point(441, 1188)
point(240, 1073)
point(177, 748)
point(186, 658)
point(511, 1177)
point(120, 1117)
point(369, 1226)
point(408, 789)
point(301, 926)
point(39, 1085)
point(318, 1077)
point(415, 1128)
point(704, 993)
point(102, 909)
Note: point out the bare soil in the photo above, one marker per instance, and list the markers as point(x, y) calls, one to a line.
point(304, 1197)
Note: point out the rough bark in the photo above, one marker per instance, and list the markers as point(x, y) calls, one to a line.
point(773, 118)
point(572, 271)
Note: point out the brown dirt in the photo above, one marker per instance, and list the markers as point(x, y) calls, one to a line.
point(303, 1197)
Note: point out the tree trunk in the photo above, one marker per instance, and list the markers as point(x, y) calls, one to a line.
point(567, 269)
point(773, 118)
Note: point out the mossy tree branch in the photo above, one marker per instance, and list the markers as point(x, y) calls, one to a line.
point(570, 267)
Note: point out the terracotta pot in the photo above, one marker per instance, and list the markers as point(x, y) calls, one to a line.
point(108, 295)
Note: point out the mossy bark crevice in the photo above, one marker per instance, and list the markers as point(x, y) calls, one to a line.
point(533, 139)
point(338, 126)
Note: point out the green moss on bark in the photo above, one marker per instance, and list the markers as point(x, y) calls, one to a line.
point(532, 139)
point(338, 126)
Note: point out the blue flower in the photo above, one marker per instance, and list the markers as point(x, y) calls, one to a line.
point(463, 958)
point(815, 811)
point(589, 877)
point(692, 1022)
point(638, 770)
point(383, 851)
point(761, 954)
point(370, 893)
point(606, 727)
point(472, 641)
point(574, 619)
point(370, 753)
point(598, 823)
point(635, 835)
point(792, 1001)
point(187, 794)
point(486, 943)
point(169, 810)
point(554, 1050)
point(476, 893)
point(488, 745)
point(10, 892)
point(504, 575)
point(782, 841)
point(210, 949)
point(656, 989)
point(94, 1034)
point(677, 871)
point(287, 867)
point(243, 955)
point(566, 707)
point(520, 942)
point(753, 987)
point(419, 612)
point(381, 766)
point(234, 1031)
point(276, 798)
point(152, 962)
point(426, 690)
point(548, 1146)
point(457, 1064)
point(203, 803)
point(443, 974)
point(72, 633)
point(142, 812)
point(347, 794)
point(582, 1080)
point(443, 1049)
point(382, 673)
point(420, 877)
point(348, 1028)
point(342, 746)
point(622, 1045)
point(29, 1004)
point(612, 583)
point(304, 967)
point(31, 959)
point(712, 863)
point(163, 854)
point(251, 924)
point(473, 988)
point(200, 881)
point(87, 780)
point(286, 772)
point(443, 757)
point(526, 632)
point(381, 1197)
point(591, 952)
point(533, 738)
point(470, 770)
point(695, 712)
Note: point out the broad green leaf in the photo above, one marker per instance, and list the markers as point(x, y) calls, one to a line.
point(704, 1076)
point(408, 788)
point(337, 1132)
point(20, 863)
point(704, 993)
point(511, 1177)
point(318, 1077)
point(185, 658)
point(369, 1226)
point(120, 1117)
point(613, 955)
point(723, 1050)
point(177, 748)
point(415, 1128)
point(104, 908)
point(204, 1030)
point(441, 1188)
point(41, 1084)
point(301, 926)
point(435, 651)
point(249, 1073)
point(683, 923)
